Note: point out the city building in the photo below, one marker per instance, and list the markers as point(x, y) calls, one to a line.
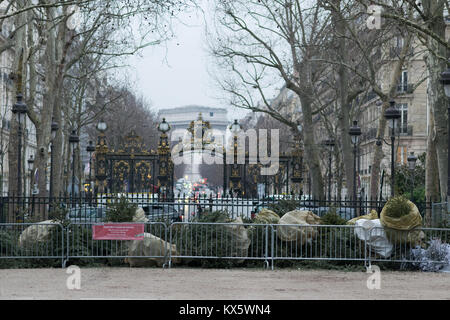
point(411, 133)
point(180, 118)
point(7, 100)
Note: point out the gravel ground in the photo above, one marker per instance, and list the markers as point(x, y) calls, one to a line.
point(208, 284)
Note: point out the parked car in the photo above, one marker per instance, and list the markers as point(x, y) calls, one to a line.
point(257, 207)
point(159, 212)
point(86, 214)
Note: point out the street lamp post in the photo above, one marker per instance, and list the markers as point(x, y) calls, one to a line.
point(30, 170)
point(54, 129)
point(73, 142)
point(392, 114)
point(355, 132)
point(1, 174)
point(163, 157)
point(297, 159)
point(300, 133)
point(412, 166)
point(330, 143)
point(20, 110)
point(235, 177)
point(101, 183)
point(90, 149)
point(445, 80)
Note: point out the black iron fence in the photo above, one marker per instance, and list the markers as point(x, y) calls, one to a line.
point(178, 208)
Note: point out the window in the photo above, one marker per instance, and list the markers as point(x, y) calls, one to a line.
point(399, 42)
point(403, 83)
point(403, 121)
point(402, 155)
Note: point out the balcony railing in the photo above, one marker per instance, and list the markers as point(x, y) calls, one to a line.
point(405, 88)
point(403, 130)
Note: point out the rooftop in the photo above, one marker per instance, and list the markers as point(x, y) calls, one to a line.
point(191, 108)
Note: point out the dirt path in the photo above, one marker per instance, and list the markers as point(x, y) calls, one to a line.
point(207, 284)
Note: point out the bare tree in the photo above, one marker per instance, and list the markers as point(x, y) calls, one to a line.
point(426, 20)
point(53, 49)
point(263, 44)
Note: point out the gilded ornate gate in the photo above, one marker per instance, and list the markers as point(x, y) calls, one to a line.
point(132, 168)
point(245, 179)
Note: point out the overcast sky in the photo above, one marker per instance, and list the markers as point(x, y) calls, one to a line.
point(176, 74)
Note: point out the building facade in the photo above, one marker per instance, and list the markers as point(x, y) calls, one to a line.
point(7, 100)
point(411, 133)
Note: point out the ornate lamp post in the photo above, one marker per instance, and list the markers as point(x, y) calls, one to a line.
point(297, 175)
point(163, 153)
point(445, 80)
point(297, 157)
point(235, 176)
point(412, 166)
point(30, 170)
point(73, 143)
point(20, 110)
point(54, 129)
point(330, 143)
point(90, 150)
point(101, 126)
point(392, 114)
point(100, 157)
point(355, 132)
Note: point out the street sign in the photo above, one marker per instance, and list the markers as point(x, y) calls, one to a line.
point(118, 231)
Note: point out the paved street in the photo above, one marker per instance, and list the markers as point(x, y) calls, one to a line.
point(208, 284)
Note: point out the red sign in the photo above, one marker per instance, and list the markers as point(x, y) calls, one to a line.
point(118, 231)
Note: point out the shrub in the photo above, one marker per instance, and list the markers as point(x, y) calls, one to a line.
point(59, 213)
point(207, 240)
point(331, 218)
point(397, 207)
point(9, 245)
point(120, 210)
point(283, 206)
point(432, 259)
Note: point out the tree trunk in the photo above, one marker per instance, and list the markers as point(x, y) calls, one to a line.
point(431, 172)
point(311, 152)
point(378, 149)
point(438, 104)
point(342, 84)
point(13, 143)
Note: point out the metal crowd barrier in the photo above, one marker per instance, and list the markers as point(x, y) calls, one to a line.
point(236, 241)
point(32, 241)
point(440, 215)
point(409, 247)
point(317, 242)
point(184, 241)
point(81, 245)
